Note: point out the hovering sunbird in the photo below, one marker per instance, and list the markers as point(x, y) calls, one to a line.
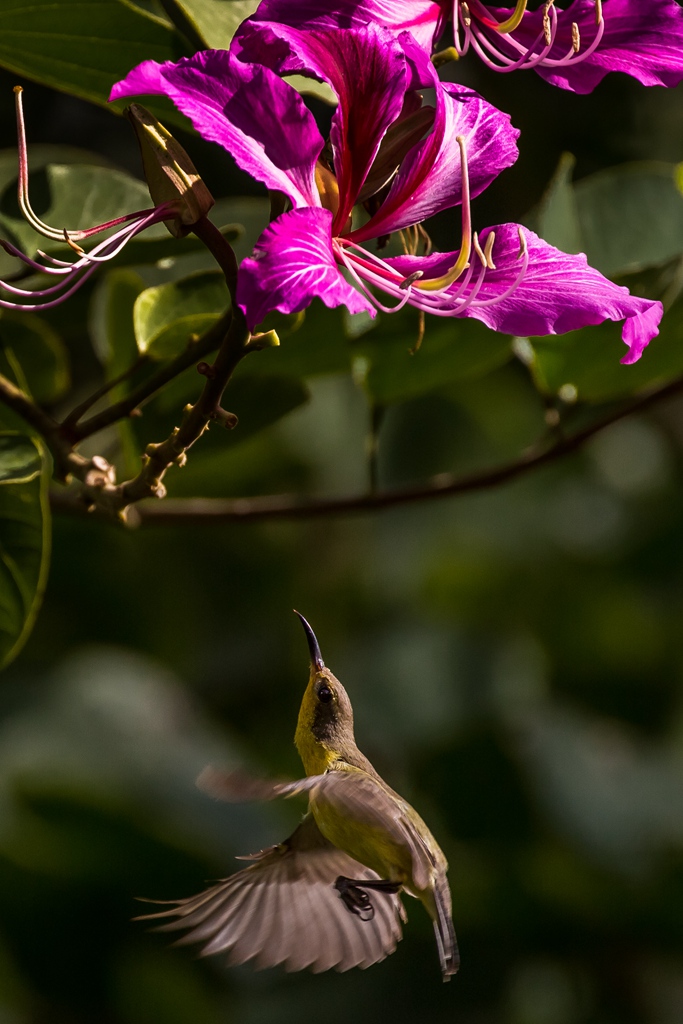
point(307, 903)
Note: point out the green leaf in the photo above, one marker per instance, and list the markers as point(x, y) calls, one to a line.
point(29, 343)
point(10, 215)
point(84, 46)
point(250, 213)
point(20, 460)
point(678, 177)
point(588, 360)
point(630, 216)
point(111, 319)
point(24, 538)
point(213, 21)
point(166, 316)
point(311, 87)
point(113, 336)
point(380, 352)
point(453, 350)
point(257, 404)
point(557, 218)
point(624, 219)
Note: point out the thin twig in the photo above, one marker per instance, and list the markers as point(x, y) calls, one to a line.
point(221, 250)
point(70, 421)
point(208, 511)
point(209, 341)
point(48, 428)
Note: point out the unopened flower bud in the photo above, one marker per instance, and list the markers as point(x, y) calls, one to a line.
point(171, 176)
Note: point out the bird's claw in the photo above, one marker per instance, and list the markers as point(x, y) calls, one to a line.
point(355, 899)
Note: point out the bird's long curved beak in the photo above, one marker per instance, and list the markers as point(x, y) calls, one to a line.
point(314, 650)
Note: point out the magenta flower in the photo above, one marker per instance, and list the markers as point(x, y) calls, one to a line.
point(400, 160)
point(573, 47)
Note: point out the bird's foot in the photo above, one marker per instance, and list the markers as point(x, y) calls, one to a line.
point(356, 899)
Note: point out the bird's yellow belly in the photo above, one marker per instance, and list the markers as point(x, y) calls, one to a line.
point(370, 845)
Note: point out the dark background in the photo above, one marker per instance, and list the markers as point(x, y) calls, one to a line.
point(514, 658)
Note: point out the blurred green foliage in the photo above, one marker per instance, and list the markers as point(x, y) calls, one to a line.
point(514, 657)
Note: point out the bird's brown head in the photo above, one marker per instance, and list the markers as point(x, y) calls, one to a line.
point(324, 731)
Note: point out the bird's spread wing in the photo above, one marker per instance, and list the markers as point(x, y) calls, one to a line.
point(284, 909)
point(356, 796)
point(239, 787)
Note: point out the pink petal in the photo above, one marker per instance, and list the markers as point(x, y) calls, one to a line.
point(293, 263)
point(259, 119)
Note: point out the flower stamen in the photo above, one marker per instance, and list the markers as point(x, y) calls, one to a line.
point(523, 248)
point(411, 279)
point(478, 249)
point(73, 275)
point(462, 262)
point(523, 255)
point(54, 234)
point(348, 262)
point(488, 249)
point(498, 51)
point(547, 31)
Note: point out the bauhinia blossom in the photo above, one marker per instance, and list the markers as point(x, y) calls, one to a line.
point(398, 159)
point(570, 45)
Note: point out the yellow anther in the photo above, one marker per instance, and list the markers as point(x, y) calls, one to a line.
point(547, 30)
point(411, 279)
point(488, 250)
point(478, 249)
point(72, 245)
point(598, 11)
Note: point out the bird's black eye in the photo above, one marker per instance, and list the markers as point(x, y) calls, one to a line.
point(325, 694)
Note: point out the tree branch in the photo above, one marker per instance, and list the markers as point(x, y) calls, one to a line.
point(208, 511)
point(158, 458)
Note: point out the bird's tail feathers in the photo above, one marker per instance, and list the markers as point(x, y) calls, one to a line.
point(446, 942)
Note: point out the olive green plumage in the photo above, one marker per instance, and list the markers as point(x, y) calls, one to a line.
point(329, 896)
